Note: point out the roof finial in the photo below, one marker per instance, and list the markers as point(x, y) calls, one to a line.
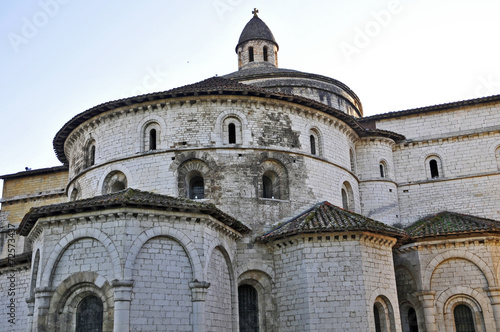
point(254, 12)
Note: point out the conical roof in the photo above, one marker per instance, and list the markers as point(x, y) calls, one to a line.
point(256, 29)
point(326, 217)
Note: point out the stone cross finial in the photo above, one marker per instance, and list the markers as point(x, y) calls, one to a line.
point(255, 11)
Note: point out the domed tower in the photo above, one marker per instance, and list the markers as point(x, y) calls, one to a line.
point(257, 46)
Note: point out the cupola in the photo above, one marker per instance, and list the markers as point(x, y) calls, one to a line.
point(257, 46)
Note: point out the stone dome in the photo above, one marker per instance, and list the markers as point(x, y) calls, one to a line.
point(256, 29)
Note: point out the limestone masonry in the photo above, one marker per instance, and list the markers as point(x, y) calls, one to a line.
point(261, 200)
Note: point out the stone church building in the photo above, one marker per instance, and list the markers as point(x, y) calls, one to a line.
point(261, 200)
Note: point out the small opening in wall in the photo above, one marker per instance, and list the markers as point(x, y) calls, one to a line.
point(327, 238)
point(353, 237)
point(184, 143)
point(405, 191)
point(390, 190)
point(344, 237)
point(265, 53)
point(319, 238)
point(250, 54)
point(173, 158)
point(336, 237)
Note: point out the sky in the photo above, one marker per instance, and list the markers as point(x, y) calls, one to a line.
point(59, 58)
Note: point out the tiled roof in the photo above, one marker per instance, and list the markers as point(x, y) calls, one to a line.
point(325, 217)
point(128, 198)
point(211, 86)
point(39, 171)
point(256, 29)
point(433, 108)
point(451, 223)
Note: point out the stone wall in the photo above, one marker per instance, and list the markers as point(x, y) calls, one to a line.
point(326, 280)
point(14, 289)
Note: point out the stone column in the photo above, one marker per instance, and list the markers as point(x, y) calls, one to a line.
point(494, 295)
point(30, 301)
point(122, 296)
point(426, 298)
point(199, 291)
point(41, 308)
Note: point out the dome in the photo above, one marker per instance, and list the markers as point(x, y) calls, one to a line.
point(256, 29)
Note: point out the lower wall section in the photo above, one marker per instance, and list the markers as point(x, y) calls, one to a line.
point(14, 289)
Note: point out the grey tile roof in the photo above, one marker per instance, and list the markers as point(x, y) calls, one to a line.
point(129, 198)
point(325, 217)
point(450, 223)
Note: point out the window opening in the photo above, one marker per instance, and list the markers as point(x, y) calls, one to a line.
point(92, 156)
point(231, 128)
point(152, 139)
point(345, 201)
point(89, 315)
point(74, 195)
point(434, 168)
point(250, 54)
point(312, 141)
point(248, 308)
point(412, 320)
point(267, 185)
point(117, 186)
point(376, 314)
point(463, 319)
point(382, 170)
point(197, 188)
point(265, 53)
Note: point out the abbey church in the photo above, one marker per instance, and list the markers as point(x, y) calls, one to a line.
point(261, 200)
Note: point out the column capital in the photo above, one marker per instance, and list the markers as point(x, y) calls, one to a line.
point(122, 289)
point(199, 290)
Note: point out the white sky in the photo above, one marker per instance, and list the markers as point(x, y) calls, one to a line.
point(59, 58)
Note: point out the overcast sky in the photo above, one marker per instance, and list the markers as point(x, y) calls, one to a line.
point(59, 58)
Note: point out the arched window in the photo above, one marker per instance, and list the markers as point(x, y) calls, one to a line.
point(376, 315)
point(464, 321)
point(197, 187)
point(381, 167)
point(345, 204)
point(312, 142)
point(267, 186)
point(250, 54)
point(347, 195)
point(265, 53)
point(114, 182)
point(273, 181)
point(315, 141)
point(231, 129)
point(433, 165)
point(90, 154)
point(89, 314)
point(248, 308)
point(151, 133)
point(412, 320)
point(152, 139)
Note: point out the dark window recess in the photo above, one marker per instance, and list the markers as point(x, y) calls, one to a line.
point(248, 309)
point(231, 128)
point(345, 204)
point(265, 53)
point(382, 171)
point(267, 186)
point(463, 319)
point(197, 188)
point(152, 139)
point(312, 140)
point(412, 320)
point(378, 326)
point(250, 54)
point(92, 156)
point(434, 168)
point(89, 315)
